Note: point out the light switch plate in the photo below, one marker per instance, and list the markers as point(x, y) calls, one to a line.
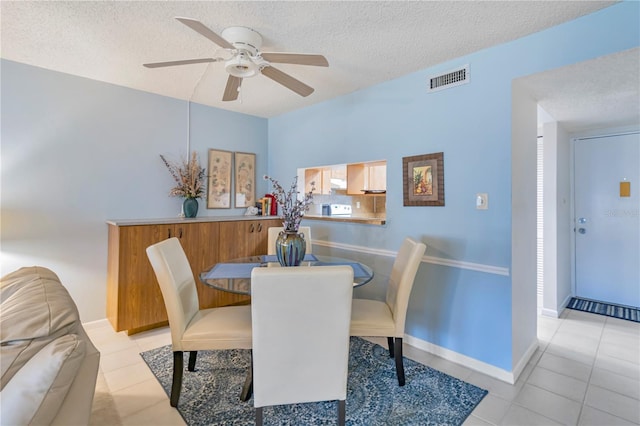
point(482, 201)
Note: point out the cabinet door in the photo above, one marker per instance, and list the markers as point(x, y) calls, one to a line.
point(315, 176)
point(200, 244)
point(377, 174)
point(244, 238)
point(261, 235)
point(321, 178)
point(235, 239)
point(140, 301)
point(355, 179)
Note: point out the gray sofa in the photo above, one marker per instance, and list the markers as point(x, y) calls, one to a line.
point(49, 365)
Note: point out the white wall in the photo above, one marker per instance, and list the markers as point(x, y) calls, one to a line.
point(523, 226)
point(557, 219)
point(550, 231)
point(563, 219)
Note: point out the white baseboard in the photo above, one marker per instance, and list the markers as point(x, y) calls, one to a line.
point(565, 302)
point(463, 360)
point(520, 365)
point(556, 313)
point(549, 313)
point(96, 324)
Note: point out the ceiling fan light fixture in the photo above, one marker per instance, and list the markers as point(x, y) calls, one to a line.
point(241, 66)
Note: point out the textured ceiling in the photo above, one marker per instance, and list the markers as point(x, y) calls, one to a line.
point(600, 93)
point(365, 42)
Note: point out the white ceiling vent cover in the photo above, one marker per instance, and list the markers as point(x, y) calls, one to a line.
point(451, 79)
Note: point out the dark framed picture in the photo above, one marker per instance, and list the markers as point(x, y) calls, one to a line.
point(245, 166)
point(423, 180)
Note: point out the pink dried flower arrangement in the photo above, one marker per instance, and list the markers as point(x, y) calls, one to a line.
point(189, 177)
point(291, 208)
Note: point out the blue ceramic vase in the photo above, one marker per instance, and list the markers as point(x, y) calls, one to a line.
point(190, 207)
point(290, 248)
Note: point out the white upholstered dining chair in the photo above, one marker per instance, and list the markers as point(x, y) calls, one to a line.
point(386, 318)
point(193, 329)
point(300, 319)
point(275, 230)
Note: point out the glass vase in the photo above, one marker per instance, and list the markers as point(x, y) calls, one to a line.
point(190, 207)
point(290, 248)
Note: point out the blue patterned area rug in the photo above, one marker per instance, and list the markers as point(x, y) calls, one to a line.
point(629, 313)
point(210, 395)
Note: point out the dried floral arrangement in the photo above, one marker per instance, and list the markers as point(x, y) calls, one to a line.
point(291, 208)
point(189, 177)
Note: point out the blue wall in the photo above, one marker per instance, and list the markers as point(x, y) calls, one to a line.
point(77, 152)
point(229, 131)
point(465, 311)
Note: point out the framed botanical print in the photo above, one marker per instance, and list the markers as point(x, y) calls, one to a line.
point(423, 180)
point(245, 174)
point(219, 179)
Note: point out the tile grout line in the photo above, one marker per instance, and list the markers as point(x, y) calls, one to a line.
point(595, 358)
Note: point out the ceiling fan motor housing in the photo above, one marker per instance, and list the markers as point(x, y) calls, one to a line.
point(243, 38)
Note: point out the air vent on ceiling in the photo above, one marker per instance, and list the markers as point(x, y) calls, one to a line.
point(451, 79)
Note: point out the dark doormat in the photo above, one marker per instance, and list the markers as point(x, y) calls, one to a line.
point(628, 313)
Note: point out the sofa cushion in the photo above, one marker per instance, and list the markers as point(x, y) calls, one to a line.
point(35, 393)
point(35, 310)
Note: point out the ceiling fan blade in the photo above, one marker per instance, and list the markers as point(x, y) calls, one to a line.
point(199, 27)
point(296, 58)
point(184, 62)
point(287, 81)
point(231, 90)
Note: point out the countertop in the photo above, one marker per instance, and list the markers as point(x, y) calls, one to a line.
point(171, 220)
point(349, 218)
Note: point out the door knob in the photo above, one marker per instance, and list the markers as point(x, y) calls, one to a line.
point(582, 230)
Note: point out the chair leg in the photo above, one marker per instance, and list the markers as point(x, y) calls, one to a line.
point(390, 344)
point(342, 412)
point(247, 388)
point(399, 363)
point(178, 366)
point(192, 360)
point(258, 416)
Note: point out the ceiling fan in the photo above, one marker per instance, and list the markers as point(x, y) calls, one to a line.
point(243, 59)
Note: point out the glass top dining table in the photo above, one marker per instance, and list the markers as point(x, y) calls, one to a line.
point(234, 276)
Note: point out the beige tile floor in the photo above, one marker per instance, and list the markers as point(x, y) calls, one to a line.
point(585, 372)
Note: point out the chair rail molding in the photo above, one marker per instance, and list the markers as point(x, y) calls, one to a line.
point(489, 269)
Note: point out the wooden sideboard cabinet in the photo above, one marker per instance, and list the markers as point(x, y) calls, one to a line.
point(244, 238)
point(134, 300)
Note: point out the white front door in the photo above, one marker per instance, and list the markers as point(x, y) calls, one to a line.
point(607, 223)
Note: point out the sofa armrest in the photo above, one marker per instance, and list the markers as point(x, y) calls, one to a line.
point(36, 391)
point(76, 408)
